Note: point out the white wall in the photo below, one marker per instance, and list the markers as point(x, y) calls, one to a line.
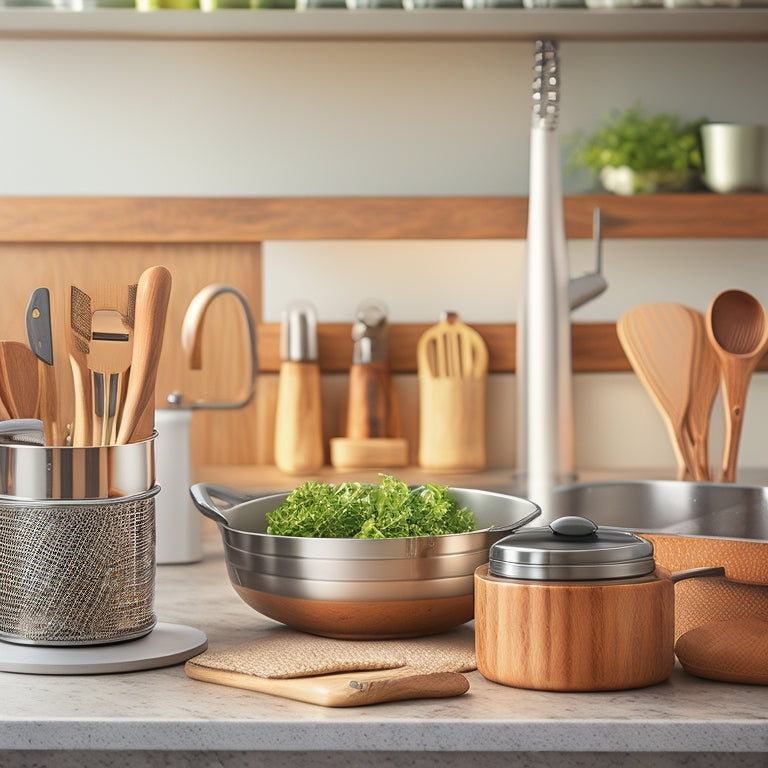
point(316, 118)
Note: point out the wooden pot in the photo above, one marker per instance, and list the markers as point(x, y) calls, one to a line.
point(575, 636)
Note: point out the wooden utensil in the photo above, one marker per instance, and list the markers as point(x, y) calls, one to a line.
point(705, 381)
point(659, 341)
point(299, 411)
point(18, 380)
point(452, 361)
point(152, 295)
point(738, 331)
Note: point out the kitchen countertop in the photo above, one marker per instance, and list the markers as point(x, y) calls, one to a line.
point(161, 717)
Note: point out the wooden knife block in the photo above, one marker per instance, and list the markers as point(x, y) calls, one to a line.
point(373, 423)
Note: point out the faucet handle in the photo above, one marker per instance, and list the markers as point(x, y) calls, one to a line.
point(592, 284)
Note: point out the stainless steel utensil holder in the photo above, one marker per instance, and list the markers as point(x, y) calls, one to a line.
point(79, 571)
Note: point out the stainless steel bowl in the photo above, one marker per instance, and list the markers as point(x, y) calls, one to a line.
point(358, 588)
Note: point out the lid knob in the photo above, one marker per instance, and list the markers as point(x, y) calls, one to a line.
point(573, 525)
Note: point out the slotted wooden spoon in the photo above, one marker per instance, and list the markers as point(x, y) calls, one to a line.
point(659, 341)
point(737, 327)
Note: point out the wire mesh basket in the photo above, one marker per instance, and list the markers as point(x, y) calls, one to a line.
point(78, 571)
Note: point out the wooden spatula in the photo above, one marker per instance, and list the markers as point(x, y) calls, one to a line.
point(452, 361)
point(659, 341)
point(451, 349)
point(705, 381)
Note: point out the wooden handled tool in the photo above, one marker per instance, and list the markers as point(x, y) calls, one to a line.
point(299, 413)
point(452, 361)
point(299, 418)
point(658, 339)
point(40, 338)
point(738, 331)
point(373, 419)
point(705, 381)
point(19, 380)
point(78, 341)
point(109, 358)
point(152, 296)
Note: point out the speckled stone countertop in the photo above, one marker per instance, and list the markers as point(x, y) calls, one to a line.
point(161, 717)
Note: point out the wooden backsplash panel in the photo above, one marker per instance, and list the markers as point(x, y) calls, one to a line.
point(55, 241)
point(218, 437)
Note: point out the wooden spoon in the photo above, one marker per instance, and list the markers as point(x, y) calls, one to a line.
point(659, 341)
point(152, 296)
point(738, 331)
point(705, 381)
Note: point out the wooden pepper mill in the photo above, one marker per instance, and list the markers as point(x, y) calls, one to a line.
point(299, 418)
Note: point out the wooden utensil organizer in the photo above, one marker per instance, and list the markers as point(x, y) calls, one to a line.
point(55, 241)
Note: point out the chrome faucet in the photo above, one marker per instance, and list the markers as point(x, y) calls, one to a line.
point(544, 367)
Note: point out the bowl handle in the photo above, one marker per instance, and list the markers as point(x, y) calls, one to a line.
point(203, 495)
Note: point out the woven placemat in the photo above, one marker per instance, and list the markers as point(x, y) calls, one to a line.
point(282, 653)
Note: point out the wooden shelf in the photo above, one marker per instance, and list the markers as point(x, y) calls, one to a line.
point(256, 219)
point(515, 24)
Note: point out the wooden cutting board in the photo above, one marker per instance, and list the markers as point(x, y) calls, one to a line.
point(342, 673)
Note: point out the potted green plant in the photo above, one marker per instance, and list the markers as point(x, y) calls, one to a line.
point(634, 152)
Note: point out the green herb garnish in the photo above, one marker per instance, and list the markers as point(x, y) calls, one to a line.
point(364, 511)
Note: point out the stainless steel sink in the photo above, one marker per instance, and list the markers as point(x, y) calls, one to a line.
point(721, 510)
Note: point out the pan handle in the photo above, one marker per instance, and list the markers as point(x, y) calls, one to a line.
point(695, 573)
point(203, 495)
